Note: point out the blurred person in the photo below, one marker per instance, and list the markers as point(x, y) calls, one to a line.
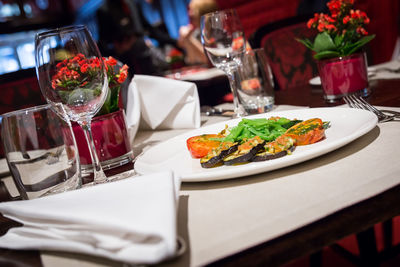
point(189, 35)
point(122, 31)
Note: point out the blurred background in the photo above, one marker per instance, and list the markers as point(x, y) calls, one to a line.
point(155, 37)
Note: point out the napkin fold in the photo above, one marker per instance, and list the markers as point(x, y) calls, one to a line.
point(164, 103)
point(132, 220)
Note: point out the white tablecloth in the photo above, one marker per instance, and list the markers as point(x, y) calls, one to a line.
point(221, 218)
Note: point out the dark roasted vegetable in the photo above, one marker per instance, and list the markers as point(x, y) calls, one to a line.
point(245, 151)
point(263, 156)
point(216, 155)
point(282, 146)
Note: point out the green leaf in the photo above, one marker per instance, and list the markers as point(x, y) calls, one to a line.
point(326, 54)
point(338, 40)
point(105, 109)
point(323, 42)
point(357, 45)
point(306, 42)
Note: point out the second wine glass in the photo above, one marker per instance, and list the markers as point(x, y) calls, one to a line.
point(71, 71)
point(223, 40)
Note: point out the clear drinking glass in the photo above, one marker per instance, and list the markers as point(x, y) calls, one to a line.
point(71, 71)
point(41, 152)
point(224, 42)
point(256, 89)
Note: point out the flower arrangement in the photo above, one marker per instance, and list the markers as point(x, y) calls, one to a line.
point(340, 34)
point(83, 73)
point(175, 59)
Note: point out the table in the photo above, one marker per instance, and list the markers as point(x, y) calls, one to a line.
point(241, 239)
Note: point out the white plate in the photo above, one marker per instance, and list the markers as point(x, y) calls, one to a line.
point(346, 125)
point(193, 74)
point(315, 81)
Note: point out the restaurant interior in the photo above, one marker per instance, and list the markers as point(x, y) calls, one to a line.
point(149, 41)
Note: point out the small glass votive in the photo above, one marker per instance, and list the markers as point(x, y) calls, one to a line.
point(41, 152)
point(255, 83)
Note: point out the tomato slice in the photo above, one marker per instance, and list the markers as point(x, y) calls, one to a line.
point(307, 132)
point(200, 145)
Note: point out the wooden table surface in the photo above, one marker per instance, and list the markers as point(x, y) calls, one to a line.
point(308, 239)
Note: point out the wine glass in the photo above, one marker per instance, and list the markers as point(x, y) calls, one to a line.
point(71, 71)
point(224, 42)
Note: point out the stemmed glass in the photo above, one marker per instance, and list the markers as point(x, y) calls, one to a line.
point(224, 42)
point(71, 71)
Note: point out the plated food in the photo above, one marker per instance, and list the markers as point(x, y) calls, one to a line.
point(172, 154)
point(254, 140)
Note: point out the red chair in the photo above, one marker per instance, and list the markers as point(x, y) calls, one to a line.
point(19, 90)
point(291, 62)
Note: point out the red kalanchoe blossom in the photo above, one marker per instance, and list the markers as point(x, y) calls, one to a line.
point(346, 19)
point(81, 72)
point(123, 74)
point(84, 67)
point(110, 61)
point(334, 7)
point(340, 33)
point(362, 31)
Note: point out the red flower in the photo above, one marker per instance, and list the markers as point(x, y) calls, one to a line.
point(54, 84)
point(84, 67)
point(330, 27)
point(110, 61)
point(122, 77)
point(81, 72)
point(60, 64)
point(362, 31)
point(334, 7)
point(344, 22)
point(123, 74)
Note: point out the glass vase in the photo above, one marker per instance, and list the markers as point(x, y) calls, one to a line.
point(344, 75)
point(111, 139)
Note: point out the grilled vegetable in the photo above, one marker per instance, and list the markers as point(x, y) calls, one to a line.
point(200, 145)
point(245, 151)
point(307, 132)
point(216, 155)
point(282, 146)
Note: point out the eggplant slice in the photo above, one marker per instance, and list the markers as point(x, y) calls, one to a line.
point(215, 157)
point(245, 151)
point(263, 156)
point(281, 147)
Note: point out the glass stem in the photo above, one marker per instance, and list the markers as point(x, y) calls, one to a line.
point(99, 176)
point(233, 77)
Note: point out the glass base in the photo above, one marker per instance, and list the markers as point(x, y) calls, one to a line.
point(335, 98)
point(117, 177)
point(109, 164)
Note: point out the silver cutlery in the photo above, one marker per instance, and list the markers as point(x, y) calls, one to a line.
point(358, 102)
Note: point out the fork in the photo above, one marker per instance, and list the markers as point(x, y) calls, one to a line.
point(358, 102)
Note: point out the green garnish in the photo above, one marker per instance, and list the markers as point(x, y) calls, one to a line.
point(266, 129)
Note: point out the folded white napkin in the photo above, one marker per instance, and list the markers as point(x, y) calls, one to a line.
point(164, 103)
point(132, 220)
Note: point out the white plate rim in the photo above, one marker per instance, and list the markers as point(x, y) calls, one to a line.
point(144, 166)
